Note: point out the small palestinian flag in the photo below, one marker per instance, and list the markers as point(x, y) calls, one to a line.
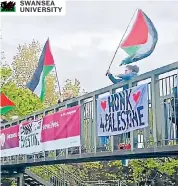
point(45, 65)
point(6, 104)
point(141, 40)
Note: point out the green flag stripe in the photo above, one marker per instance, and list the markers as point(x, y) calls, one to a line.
point(46, 71)
point(5, 109)
point(131, 50)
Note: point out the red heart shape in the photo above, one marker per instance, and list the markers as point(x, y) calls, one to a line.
point(136, 96)
point(103, 105)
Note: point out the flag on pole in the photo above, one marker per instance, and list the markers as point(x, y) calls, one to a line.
point(141, 40)
point(5, 104)
point(45, 66)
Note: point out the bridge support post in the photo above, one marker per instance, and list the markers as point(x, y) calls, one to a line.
point(114, 139)
point(95, 123)
point(157, 112)
point(82, 128)
point(20, 180)
point(154, 97)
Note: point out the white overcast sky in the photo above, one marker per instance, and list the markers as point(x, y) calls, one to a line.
point(84, 40)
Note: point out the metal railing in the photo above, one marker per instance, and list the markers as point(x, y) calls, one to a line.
point(57, 176)
point(155, 140)
point(107, 183)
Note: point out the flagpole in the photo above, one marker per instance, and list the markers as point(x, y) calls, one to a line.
point(121, 41)
point(57, 80)
point(60, 93)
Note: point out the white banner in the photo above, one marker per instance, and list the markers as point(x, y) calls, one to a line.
point(123, 112)
point(30, 136)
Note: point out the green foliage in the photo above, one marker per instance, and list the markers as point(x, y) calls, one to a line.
point(162, 166)
point(25, 62)
point(26, 102)
point(5, 73)
point(73, 87)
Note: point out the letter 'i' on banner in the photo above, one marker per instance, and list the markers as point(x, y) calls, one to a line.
point(36, 7)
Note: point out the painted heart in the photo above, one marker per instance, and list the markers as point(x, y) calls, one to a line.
point(103, 105)
point(136, 96)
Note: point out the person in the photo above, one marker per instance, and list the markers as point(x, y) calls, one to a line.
point(130, 72)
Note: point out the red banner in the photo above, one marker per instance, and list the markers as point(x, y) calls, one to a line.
point(61, 125)
point(56, 131)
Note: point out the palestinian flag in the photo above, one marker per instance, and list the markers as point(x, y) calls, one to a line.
point(45, 65)
point(141, 40)
point(6, 104)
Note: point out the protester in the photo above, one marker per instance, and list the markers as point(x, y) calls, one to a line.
point(130, 72)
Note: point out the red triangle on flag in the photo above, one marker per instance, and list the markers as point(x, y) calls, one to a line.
point(139, 33)
point(48, 58)
point(5, 101)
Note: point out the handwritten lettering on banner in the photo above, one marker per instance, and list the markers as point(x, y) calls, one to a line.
point(123, 112)
point(30, 136)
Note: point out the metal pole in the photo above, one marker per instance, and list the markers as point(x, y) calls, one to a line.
point(121, 40)
point(56, 75)
point(57, 80)
point(20, 180)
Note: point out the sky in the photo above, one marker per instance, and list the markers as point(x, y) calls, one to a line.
point(83, 41)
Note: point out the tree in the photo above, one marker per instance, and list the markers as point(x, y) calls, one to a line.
point(52, 92)
point(5, 74)
point(24, 64)
point(26, 102)
point(73, 87)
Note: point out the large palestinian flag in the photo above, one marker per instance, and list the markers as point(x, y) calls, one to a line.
point(5, 104)
point(141, 40)
point(45, 65)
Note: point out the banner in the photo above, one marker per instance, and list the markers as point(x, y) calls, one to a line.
point(9, 140)
point(56, 131)
point(123, 112)
point(30, 136)
point(62, 129)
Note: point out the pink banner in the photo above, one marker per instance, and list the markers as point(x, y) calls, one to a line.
point(56, 131)
point(9, 137)
point(61, 125)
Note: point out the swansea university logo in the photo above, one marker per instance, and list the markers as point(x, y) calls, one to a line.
point(8, 6)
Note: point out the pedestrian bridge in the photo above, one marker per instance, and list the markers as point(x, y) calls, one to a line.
point(160, 139)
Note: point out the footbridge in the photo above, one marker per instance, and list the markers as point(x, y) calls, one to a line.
point(159, 139)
